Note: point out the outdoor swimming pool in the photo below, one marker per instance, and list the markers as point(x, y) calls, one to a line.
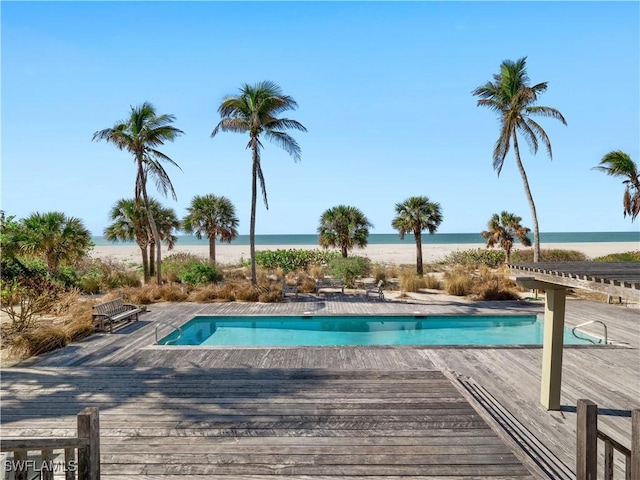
point(253, 331)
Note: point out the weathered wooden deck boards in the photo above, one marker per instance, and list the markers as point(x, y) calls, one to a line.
point(316, 413)
point(226, 423)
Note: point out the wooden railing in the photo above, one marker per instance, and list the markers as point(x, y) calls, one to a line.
point(587, 445)
point(87, 443)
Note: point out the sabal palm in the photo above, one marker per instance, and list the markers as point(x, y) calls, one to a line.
point(415, 215)
point(619, 164)
point(343, 227)
point(58, 238)
point(512, 97)
point(255, 111)
point(214, 217)
point(503, 230)
point(140, 135)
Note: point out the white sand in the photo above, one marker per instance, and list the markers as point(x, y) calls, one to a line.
point(388, 253)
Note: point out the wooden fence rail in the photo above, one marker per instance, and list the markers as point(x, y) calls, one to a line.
point(87, 443)
point(587, 445)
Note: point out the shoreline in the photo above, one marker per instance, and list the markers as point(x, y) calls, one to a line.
point(378, 253)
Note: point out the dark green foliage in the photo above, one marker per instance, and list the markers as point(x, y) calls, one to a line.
point(199, 273)
point(549, 255)
point(293, 258)
point(476, 257)
point(620, 257)
point(349, 268)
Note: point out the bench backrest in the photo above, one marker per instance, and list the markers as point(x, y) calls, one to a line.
point(111, 307)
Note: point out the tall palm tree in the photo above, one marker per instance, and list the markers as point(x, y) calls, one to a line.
point(58, 238)
point(214, 217)
point(619, 164)
point(512, 97)
point(255, 110)
point(503, 230)
point(343, 227)
point(140, 134)
point(414, 215)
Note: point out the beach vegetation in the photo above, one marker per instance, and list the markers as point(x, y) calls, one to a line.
point(214, 217)
point(412, 282)
point(549, 255)
point(457, 281)
point(475, 258)
point(199, 273)
point(503, 230)
point(415, 215)
point(349, 269)
point(620, 164)
point(620, 257)
point(289, 260)
point(26, 298)
point(512, 97)
point(255, 111)
point(140, 134)
point(343, 227)
point(432, 282)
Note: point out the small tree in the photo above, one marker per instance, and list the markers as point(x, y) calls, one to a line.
point(503, 229)
point(619, 164)
point(343, 227)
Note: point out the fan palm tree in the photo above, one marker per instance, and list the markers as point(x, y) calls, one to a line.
point(503, 230)
point(512, 97)
point(140, 134)
point(214, 217)
point(343, 227)
point(414, 215)
point(619, 164)
point(255, 110)
point(167, 223)
point(58, 238)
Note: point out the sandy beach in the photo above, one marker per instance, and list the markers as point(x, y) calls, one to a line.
point(384, 253)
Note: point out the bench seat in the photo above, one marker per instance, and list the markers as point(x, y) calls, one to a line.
point(114, 312)
point(329, 284)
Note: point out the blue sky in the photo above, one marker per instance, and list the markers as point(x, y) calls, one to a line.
point(384, 89)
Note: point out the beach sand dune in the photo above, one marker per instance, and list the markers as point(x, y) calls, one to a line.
point(388, 253)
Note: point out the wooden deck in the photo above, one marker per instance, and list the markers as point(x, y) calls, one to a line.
point(319, 413)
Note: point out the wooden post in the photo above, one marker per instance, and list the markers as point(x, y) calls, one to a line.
point(635, 444)
point(70, 464)
point(554, 307)
point(89, 457)
point(587, 441)
point(20, 465)
point(46, 468)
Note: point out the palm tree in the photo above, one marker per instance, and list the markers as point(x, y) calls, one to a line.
point(343, 227)
point(167, 223)
point(58, 238)
point(414, 215)
point(514, 100)
point(503, 229)
point(255, 111)
point(130, 223)
point(214, 217)
point(619, 164)
point(140, 134)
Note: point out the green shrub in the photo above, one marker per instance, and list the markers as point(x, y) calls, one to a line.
point(174, 264)
point(293, 258)
point(548, 255)
point(349, 268)
point(476, 257)
point(199, 273)
point(620, 257)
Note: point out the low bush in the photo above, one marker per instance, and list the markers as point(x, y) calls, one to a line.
point(457, 282)
point(476, 257)
point(620, 257)
point(548, 255)
point(293, 258)
point(411, 282)
point(432, 283)
point(349, 269)
point(199, 273)
point(40, 340)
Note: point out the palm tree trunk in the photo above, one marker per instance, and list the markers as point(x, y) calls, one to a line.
point(156, 236)
point(212, 250)
point(527, 190)
point(152, 261)
point(419, 268)
point(252, 226)
point(145, 263)
point(344, 251)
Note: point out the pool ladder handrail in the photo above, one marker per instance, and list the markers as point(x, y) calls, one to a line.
point(604, 325)
point(164, 322)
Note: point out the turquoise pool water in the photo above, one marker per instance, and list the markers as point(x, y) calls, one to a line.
point(362, 330)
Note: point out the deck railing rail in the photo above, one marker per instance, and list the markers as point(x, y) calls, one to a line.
point(587, 445)
point(87, 443)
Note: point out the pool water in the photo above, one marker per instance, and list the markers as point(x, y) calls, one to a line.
point(265, 331)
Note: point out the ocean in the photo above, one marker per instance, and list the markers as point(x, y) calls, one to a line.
point(393, 238)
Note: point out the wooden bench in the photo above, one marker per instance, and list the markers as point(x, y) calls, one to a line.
point(289, 290)
point(114, 312)
point(329, 283)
